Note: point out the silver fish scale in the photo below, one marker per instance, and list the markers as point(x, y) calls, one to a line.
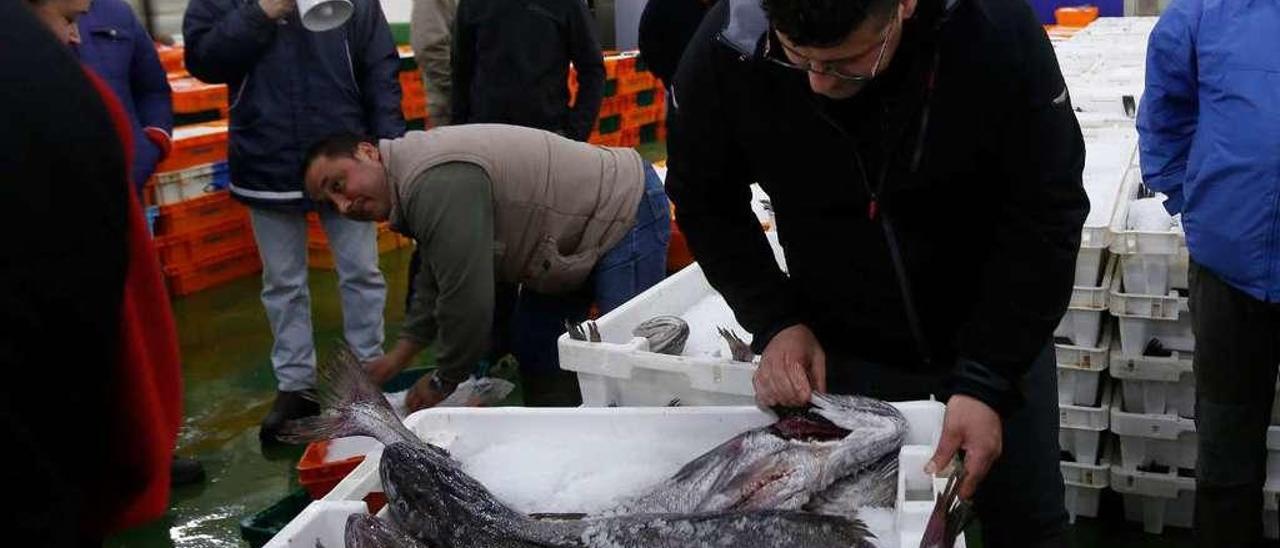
point(759, 470)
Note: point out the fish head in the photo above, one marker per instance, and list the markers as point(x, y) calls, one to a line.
point(432, 498)
point(366, 531)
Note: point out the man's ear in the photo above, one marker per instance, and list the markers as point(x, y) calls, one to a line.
point(367, 151)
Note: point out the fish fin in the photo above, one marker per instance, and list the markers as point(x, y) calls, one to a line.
point(343, 386)
point(951, 515)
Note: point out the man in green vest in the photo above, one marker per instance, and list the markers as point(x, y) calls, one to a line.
point(501, 210)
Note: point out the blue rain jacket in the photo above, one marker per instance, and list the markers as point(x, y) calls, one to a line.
point(1209, 128)
point(114, 46)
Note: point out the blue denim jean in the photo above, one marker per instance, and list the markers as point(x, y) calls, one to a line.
point(634, 264)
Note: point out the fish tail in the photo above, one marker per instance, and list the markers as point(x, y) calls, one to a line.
point(352, 405)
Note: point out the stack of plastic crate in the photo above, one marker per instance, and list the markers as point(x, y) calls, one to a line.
point(633, 111)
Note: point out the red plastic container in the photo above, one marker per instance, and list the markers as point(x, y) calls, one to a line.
point(319, 477)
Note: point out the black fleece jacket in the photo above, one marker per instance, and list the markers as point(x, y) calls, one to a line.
point(982, 202)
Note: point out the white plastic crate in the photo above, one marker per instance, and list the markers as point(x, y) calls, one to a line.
point(1082, 326)
point(463, 431)
point(1169, 324)
point(1150, 439)
point(621, 371)
point(1093, 294)
point(1079, 380)
point(1152, 262)
point(1109, 150)
point(1155, 500)
point(1152, 385)
point(1089, 266)
point(177, 186)
point(1084, 484)
point(1080, 429)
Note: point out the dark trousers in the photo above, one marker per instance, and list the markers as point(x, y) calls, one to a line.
point(1022, 501)
point(1237, 351)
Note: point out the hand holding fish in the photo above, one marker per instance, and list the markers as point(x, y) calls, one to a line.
point(976, 428)
point(424, 394)
point(386, 366)
point(792, 367)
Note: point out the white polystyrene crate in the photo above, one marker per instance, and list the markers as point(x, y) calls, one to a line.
point(1175, 335)
point(1165, 306)
point(321, 523)
point(1084, 484)
point(1150, 439)
point(1086, 357)
point(1145, 274)
point(186, 184)
point(1080, 429)
point(1108, 151)
point(1125, 242)
point(1079, 378)
point(1155, 500)
point(1093, 294)
point(621, 371)
point(1089, 265)
point(1156, 385)
point(1082, 326)
point(464, 431)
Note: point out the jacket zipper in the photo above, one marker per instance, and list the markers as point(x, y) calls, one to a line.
point(873, 205)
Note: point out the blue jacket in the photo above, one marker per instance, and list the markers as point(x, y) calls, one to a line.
point(290, 87)
point(116, 47)
point(1209, 128)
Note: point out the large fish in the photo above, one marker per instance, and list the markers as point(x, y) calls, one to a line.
point(435, 502)
point(432, 499)
point(847, 444)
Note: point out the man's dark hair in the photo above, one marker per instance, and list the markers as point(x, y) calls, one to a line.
point(822, 23)
point(338, 145)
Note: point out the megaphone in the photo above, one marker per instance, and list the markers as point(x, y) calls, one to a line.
point(322, 15)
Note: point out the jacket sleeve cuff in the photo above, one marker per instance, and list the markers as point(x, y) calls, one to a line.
point(760, 341)
point(984, 384)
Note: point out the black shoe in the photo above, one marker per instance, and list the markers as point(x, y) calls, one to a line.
point(185, 471)
point(288, 406)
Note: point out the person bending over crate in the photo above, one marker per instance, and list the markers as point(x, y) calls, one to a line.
point(289, 87)
point(501, 210)
point(924, 166)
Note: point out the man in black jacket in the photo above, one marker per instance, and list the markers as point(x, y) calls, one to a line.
point(511, 65)
point(924, 166)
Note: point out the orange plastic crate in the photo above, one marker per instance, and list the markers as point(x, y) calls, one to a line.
point(195, 145)
point(170, 58)
point(630, 137)
point(1076, 16)
point(191, 95)
point(678, 254)
point(319, 477)
point(213, 270)
point(641, 116)
point(199, 213)
point(414, 108)
point(186, 248)
point(636, 82)
point(615, 105)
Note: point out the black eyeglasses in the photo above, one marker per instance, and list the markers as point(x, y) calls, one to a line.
point(820, 67)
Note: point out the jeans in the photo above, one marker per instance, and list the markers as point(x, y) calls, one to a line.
point(634, 264)
point(1237, 351)
point(282, 244)
point(1021, 503)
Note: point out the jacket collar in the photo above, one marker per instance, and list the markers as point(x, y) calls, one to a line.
point(747, 23)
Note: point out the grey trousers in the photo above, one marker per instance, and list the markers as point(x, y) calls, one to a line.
point(1022, 501)
point(282, 244)
point(1237, 351)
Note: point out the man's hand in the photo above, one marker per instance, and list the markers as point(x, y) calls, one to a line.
point(793, 365)
point(422, 395)
point(383, 368)
point(976, 428)
point(276, 9)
